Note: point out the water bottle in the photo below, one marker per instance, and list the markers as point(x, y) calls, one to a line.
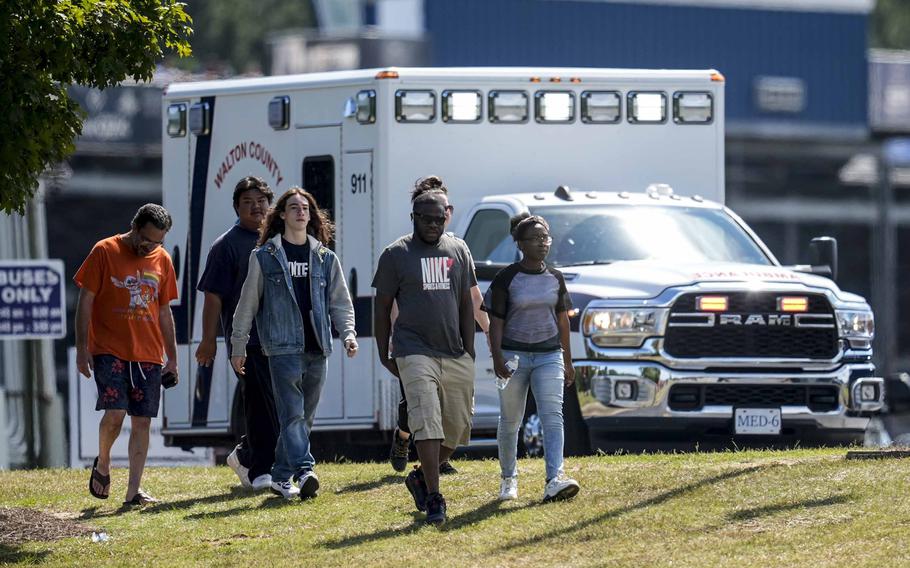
point(511, 365)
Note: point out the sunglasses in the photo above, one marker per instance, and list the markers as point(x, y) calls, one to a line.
point(542, 239)
point(429, 219)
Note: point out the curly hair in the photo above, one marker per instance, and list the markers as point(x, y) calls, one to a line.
point(320, 226)
point(523, 222)
point(154, 214)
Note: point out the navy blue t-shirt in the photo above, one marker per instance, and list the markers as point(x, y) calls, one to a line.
point(225, 271)
point(299, 265)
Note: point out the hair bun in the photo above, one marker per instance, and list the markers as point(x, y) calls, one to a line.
point(515, 220)
point(429, 183)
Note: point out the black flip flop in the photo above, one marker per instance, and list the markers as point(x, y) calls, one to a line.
point(141, 498)
point(104, 480)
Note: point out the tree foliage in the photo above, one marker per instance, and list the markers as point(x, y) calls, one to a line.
point(51, 44)
point(890, 24)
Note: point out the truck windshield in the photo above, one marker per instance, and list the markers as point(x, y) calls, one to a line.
point(605, 234)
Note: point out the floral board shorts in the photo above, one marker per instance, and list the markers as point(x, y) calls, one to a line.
point(127, 385)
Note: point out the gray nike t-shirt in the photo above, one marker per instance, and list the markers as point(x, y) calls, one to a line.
point(427, 281)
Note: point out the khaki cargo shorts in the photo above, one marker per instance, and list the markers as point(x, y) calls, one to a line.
point(440, 394)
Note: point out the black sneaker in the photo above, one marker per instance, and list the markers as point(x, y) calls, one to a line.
point(418, 488)
point(445, 468)
point(308, 483)
point(436, 509)
point(398, 455)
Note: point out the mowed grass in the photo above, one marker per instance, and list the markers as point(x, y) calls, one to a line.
point(752, 508)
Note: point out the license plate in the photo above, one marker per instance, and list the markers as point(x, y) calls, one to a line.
point(756, 421)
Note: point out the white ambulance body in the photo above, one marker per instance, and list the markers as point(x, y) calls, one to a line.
point(358, 140)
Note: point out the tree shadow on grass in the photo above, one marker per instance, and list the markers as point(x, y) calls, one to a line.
point(652, 502)
point(272, 502)
point(12, 554)
point(370, 485)
point(487, 510)
point(749, 514)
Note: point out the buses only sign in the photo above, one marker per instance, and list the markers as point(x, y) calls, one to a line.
point(32, 301)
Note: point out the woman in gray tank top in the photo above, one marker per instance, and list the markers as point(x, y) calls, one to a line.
point(529, 340)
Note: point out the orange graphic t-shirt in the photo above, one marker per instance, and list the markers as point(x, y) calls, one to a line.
point(129, 289)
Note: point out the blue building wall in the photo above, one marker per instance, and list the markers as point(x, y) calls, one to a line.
point(826, 50)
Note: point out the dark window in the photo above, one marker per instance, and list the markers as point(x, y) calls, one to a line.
point(490, 242)
point(319, 180)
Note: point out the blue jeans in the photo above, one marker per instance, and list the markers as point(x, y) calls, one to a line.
point(543, 372)
point(297, 383)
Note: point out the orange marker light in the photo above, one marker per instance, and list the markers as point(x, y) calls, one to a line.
point(711, 303)
point(718, 77)
point(387, 74)
point(575, 80)
point(793, 304)
point(535, 79)
point(555, 80)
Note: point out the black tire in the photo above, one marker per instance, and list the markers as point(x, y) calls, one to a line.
point(577, 439)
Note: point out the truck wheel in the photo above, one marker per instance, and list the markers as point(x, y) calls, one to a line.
point(578, 441)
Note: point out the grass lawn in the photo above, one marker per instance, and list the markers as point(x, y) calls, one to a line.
point(752, 508)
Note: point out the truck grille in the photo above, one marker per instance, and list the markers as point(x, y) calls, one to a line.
point(694, 397)
point(762, 330)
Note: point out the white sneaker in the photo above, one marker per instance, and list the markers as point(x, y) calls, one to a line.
point(508, 488)
point(309, 484)
point(242, 472)
point(285, 489)
point(264, 481)
point(560, 488)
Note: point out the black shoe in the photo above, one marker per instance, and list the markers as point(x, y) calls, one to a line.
point(308, 483)
point(445, 468)
point(398, 455)
point(436, 509)
point(418, 488)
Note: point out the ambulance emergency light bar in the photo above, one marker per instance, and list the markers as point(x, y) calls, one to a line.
point(508, 106)
point(693, 108)
point(461, 106)
point(554, 106)
point(601, 107)
point(647, 107)
point(415, 106)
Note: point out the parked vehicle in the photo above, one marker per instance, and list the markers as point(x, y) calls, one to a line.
point(656, 348)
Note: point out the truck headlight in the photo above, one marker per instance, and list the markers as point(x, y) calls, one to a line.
point(857, 327)
point(623, 327)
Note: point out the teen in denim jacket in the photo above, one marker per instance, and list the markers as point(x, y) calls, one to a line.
point(296, 291)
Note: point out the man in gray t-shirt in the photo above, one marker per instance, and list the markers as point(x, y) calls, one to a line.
point(430, 275)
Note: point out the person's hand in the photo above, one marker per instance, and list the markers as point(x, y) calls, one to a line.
point(569, 374)
point(169, 367)
point(205, 353)
point(390, 364)
point(238, 363)
point(350, 347)
point(84, 362)
point(499, 367)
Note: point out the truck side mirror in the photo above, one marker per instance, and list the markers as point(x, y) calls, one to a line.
point(823, 255)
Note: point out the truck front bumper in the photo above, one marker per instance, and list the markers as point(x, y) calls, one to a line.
point(634, 397)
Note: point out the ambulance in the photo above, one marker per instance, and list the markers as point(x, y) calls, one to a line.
point(683, 320)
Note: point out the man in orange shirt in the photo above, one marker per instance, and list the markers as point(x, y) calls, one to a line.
point(124, 327)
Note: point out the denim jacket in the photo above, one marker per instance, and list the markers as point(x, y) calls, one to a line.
point(268, 295)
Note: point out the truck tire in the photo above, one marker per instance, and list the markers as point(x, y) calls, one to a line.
point(577, 439)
